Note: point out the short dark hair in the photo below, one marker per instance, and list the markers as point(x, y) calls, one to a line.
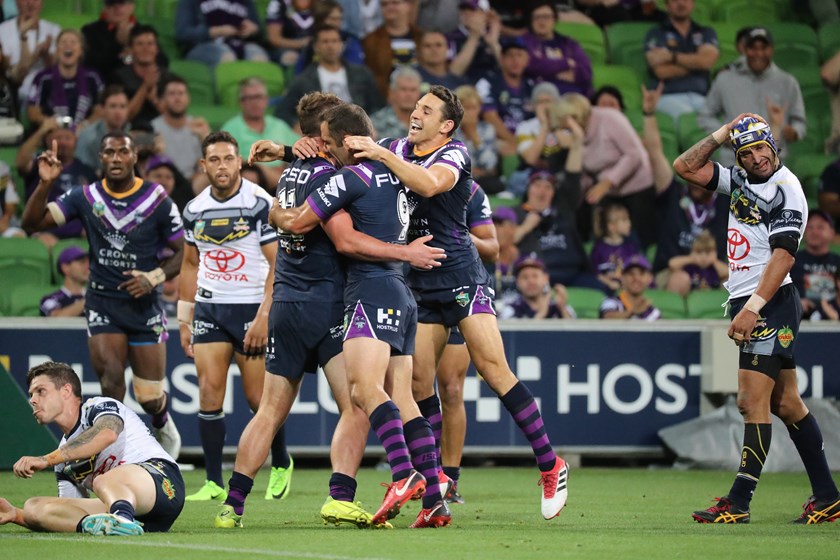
point(220, 137)
point(541, 4)
point(110, 91)
point(170, 79)
point(347, 119)
point(452, 109)
point(609, 90)
point(311, 109)
point(59, 373)
point(141, 29)
point(325, 27)
point(117, 134)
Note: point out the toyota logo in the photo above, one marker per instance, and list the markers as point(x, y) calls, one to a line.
point(224, 260)
point(738, 246)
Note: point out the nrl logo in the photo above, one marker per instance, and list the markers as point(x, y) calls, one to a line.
point(462, 299)
point(98, 208)
point(199, 227)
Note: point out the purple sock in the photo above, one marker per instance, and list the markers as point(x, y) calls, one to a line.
point(385, 421)
point(522, 406)
point(342, 487)
point(421, 443)
point(430, 409)
point(239, 486)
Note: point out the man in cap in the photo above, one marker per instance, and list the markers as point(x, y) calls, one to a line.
point(767, 216)
point(69, 301)
point(535, 299)
point(630, 302)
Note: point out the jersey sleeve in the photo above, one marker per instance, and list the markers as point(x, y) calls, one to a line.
point(456, 159)
point(71, 203)
point(478, 209)
point(267, 233)
point(337, 193)
point(171, 227)
point(101, 408)
point(722, 181)
point(789, 212)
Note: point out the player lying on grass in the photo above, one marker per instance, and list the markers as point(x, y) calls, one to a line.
point(106, 448)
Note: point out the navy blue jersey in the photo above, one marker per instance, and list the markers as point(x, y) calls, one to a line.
point(308, 267)
point(444, 215)
point(377, 202)
point(479, 212)
point(126, 231)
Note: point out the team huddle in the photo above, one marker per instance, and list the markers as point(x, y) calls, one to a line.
point(373, 266)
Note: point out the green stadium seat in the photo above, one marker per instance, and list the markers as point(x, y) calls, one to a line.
point(23, 261)
point(501, 201)
point(25, 300)
point(795, 45)
point(165, 9)
point(585, 301)
point(200, 79)
point(229, 74)
point(726, 33)
point(510, 163)
point(69, 20)
point(626, 45)
point(748, 12)
point(216, 115)
point(706, 304)
point(53, 9)
point(808, 167)
point(590, 37)
point(56, 251)
point(668, 133)
point(688, 131)
point(624, 78)
point(829, 37)
point(671, 305)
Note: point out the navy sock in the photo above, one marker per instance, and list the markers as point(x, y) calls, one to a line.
point(430, 409)
point(757, 439)
point(342, 487)
point(385, 421)
point(124, 509)
point(521, 404)
point(807, 438)
point(453, 472)
point(421, 443)
point(160, 417)
point(212, 431)
point(239, 487)
point(279, 454)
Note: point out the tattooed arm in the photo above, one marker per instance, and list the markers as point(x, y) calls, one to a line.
point(100, 435)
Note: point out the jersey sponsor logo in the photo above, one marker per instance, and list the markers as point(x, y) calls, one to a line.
point(787, 219)
point(761, 331)
point(737, 246)
point(335, 184)
point(785, 336)
point(116, 240)
point(167, 488)
point(403, 213)
point(219, 222)
point(94, 319)
point(388, 319)
point(224, 260)
point(202, 327)
point(231, 236)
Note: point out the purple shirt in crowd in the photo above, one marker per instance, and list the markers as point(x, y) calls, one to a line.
point(558, 54)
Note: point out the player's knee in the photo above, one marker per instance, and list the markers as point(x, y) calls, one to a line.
point(789, 408)
point(451, 392)
point(113, 386)
point(147, 392)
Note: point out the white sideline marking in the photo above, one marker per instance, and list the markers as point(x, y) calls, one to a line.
point(185, 546)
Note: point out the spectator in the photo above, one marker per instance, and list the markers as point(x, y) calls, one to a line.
point(606, 12)
point(701, 269)
point(9, 200)
point(615, 163)
point(142, 76)
point(69, 300)
point(681, 53)
point(352, 83)
point(480, 139)
point(391, 121)
point(609, 97)
point(514, 15)
point(535, 141)
point(815, 267)
point(433, 62)
point(392, 43)
point(252, 124)
point(535, 298)
point(556, 58)
point(214, 32)
point(614, 245)
point(28, 44)
point(361, 17)
point(758, 87)
point(161, 170)
point(505, 221)
point(330, 12)
point(474, 47)
point(288, 25)
point(440, 15)
point(73, 173)
point(65, 90)
point(830, 309)
point(829, 193)
point(830, 74)
point(113, 104)
point(107, 39)
point(630, 302)
point(507, 96)
point(182, 134)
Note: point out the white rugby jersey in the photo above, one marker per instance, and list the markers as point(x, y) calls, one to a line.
point(229, 235)
point(758, 212)
point(134, 444)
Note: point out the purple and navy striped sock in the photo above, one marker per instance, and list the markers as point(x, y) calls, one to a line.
point(430, 409)
point(342, 487)
point(385, 421)
point(239, 486)
point(522, 406)
point(421, 443)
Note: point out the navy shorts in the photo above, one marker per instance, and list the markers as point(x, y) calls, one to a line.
point(777, 327)
point(381, 308)
point(142, 320)
point(169, 495)
point(302, 336)
point(455, 336)
point(223, 322)
point(473, 293)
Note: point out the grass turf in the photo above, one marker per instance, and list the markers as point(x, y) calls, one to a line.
point(630, 513)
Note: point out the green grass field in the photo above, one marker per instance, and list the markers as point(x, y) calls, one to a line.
point(611, 513)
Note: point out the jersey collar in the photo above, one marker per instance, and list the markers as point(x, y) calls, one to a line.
point(138, 182)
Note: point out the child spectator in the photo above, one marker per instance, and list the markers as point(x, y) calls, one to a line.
point(830, 308)
point(698, 270)
point(630, 302)
point(535, 299)
point(289, 28)
point(815, 266)
point(614, 246)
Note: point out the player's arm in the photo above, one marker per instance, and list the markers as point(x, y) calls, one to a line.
point(425, 182)
point(144, 282)
point(264, 151)
point(37, 215)
point(294, 220)
point(484, 239)
point(355, 244)
point(103, 432)
point(256, 337)
point(694, 165)
point(187, 287)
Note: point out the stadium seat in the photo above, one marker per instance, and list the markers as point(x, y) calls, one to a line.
point(500, 201)
point(688, 131)
point(626, 45)
point(795, 45)
point(510, 163)
point(671, 305)
point(590, 37)
point(726, 33)
point(216, 115)
point(25, 299)
point(748, 12)
point(56, 251)
point(668, 133)
point(23, 261)
point(829, 37)
point(808, 167)
point(706, 304)
point(624, 78)
point(229, 74)
point(585, 301)
point(200, 79)
point(69, 20)
point(55, 8)
point(165, 9)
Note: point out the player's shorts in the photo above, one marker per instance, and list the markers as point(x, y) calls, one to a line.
point(302, 336)
point(169, 495)
point(142, 320)
point(381, 308)
point(223, 322)
point(455, 336)
point(472, 293)
point(775, 330)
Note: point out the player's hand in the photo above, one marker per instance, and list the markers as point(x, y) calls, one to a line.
point(263, 151)
point(256, 337)
point(365, 147)
point(49, 166)
point(27, 465)
point(741, 328)
point(7, 511)
point(186, 340)
point(731, 124)
point(138, 285)
point(423, 256)
point(306, 148)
